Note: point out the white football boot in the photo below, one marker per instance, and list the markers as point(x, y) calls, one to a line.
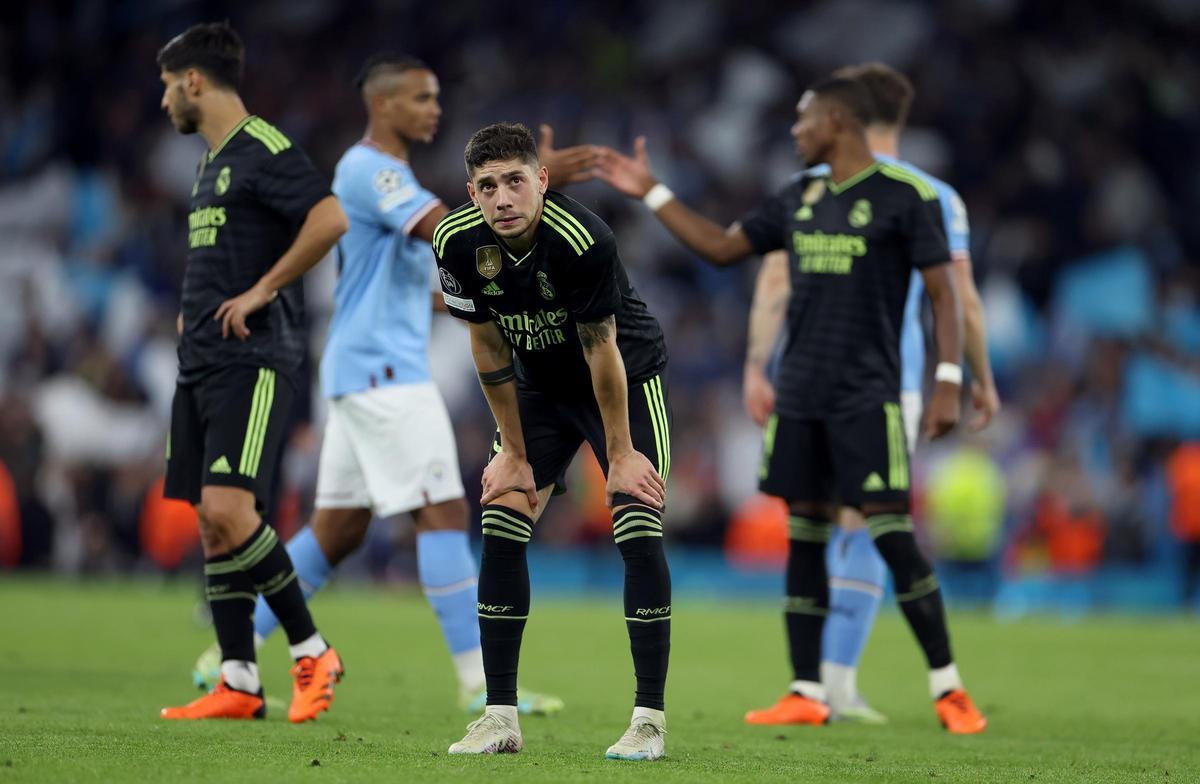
point(644, 738)
point(495, 732)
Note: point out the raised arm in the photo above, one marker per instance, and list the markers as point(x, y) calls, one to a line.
point(510, 469)
point(322, 227)
point(771, 291)
point(706, 238)
point(567, 165)
point(944, 406)
point(629, 471)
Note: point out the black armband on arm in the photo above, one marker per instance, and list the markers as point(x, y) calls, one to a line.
point(493, 378)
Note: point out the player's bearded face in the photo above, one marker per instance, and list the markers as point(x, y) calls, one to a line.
point(184, 114)
point(510, 195)
point(811, 129)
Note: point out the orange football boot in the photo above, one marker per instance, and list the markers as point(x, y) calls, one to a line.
point(791, 709)
point(958, 714)
point(221, 703)
point(312, 689)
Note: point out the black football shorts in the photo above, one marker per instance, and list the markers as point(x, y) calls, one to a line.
point(555, 429)
point(228, 429)
point(850, 460)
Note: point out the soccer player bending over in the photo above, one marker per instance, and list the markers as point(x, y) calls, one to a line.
point(389, 446)
point(834, 446)
point(566, 353)
point(260, 218)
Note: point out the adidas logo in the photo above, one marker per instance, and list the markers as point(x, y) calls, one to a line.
point(492, 289)
point(874, 483)
point(220, 466)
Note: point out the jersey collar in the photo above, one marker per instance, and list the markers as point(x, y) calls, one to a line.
point(229, 136)
point(365, 142)
point(835, 188)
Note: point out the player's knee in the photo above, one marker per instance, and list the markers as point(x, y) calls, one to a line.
point(224, 513)
point(211, 540)
point(446, 516)
point(519, 502)
point(339, 532)
point(850, 518)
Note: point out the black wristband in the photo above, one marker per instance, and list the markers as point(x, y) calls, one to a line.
point(493, 378)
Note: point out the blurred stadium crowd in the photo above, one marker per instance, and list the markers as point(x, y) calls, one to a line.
point(1074, 146)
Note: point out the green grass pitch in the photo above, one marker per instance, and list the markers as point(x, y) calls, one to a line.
point(86, 667)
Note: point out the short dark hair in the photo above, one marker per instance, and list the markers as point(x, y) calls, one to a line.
point(214, 48)
point(500, 142)
point(891, 91)
point(850, 94)
point(387, 63)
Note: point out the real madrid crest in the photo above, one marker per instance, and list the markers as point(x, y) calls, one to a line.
point(544, 285)
point(487, 261)
point(860, 214)
point(222, 183)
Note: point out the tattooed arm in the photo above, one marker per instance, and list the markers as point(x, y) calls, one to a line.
point(629, 471)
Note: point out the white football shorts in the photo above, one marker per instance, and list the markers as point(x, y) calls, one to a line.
point(389, 449)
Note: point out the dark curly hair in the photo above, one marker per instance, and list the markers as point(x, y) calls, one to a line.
point(500, 142)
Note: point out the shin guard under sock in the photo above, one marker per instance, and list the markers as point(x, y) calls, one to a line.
point(312, 569)
point(230, 594)
point(637, 530)
point(265, 560)
point(917, 590)
point(807, 600)
point(503, 603)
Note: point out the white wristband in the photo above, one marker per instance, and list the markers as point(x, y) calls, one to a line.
point(949, 372)
point(657, 196)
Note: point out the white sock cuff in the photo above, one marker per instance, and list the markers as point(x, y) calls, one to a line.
point(659, 718)
point(944, 679)
point(810, 689)
point(840, 680)
point(506, 712)
point(314, 646)
point(469, 666)
point(241, 675)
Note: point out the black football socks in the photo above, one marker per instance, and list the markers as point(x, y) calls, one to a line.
point(917, 589)
point(267, 564)
point(503, 602)
point(638, 532)
point(807, 601)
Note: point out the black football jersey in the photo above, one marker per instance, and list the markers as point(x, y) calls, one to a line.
point(851, 251)
point(571, 275)
point(252, 193)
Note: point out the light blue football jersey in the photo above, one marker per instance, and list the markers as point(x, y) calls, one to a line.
point(379, 334)
point(958, 237)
